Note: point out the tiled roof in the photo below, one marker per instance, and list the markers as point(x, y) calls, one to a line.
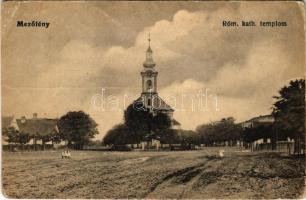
point(39, 126)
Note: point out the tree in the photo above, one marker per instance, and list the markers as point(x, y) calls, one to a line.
point(142, 124)
point(138, 121)
point(11, 136)
point(289, 112)
point(160, 122)
point(56, 138)
point(77, 127)
point(94, 143)
point(220, 132)
point(168, 136)
point(16, 137)
point(189, 137)
point(45, 139)
point(118, 135)
point(23, 138)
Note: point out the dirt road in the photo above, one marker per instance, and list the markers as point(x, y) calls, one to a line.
point(181, 174)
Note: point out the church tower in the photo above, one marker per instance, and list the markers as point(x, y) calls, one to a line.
point(149, 79)
point(149, 96)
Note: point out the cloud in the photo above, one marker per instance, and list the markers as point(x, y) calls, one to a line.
point(264, 70)
point(242, 91)
point(192, 45)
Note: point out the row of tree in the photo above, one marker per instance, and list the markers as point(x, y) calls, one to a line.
point(16, 137)
point(78, 128)
point(288, 111)
point(289, 114)
point(220, 132)
point(141, 125)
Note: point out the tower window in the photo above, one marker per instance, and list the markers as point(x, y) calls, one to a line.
point(149, 84)
point(149, 102)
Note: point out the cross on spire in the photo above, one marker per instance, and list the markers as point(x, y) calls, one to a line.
point(149, 39)
point(149, 47)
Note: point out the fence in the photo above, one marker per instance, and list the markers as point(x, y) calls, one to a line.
point(26, 147)
point(288, 147)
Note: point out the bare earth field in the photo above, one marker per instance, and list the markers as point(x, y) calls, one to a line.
point(179, 174)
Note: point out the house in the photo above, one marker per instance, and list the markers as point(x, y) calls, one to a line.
point(256, 121)
point(263, 120)
point(41, 130)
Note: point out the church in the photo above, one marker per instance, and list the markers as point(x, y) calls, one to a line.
point(149, 96)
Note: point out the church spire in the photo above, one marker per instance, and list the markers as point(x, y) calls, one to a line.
point(149, 39)
point(149, 55)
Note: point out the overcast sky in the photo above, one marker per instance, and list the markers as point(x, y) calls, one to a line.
point(93, 45)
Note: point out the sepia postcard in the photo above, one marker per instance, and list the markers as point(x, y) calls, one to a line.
point(152, 100)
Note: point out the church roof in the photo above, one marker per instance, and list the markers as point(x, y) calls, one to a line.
point(39, 126)
point(159, 104)
point(149, 63)
point(175, 122)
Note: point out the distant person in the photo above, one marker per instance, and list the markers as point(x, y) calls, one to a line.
point(68, 154)
point(64, 154)
point(221, 153)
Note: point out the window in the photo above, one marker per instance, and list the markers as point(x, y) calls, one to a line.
point(149, 102)
point(149, 84)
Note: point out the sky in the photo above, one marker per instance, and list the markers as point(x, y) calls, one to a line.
point(91, 55)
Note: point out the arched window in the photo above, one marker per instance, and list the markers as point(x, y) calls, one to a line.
point(149, 102)
point(149, 84)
